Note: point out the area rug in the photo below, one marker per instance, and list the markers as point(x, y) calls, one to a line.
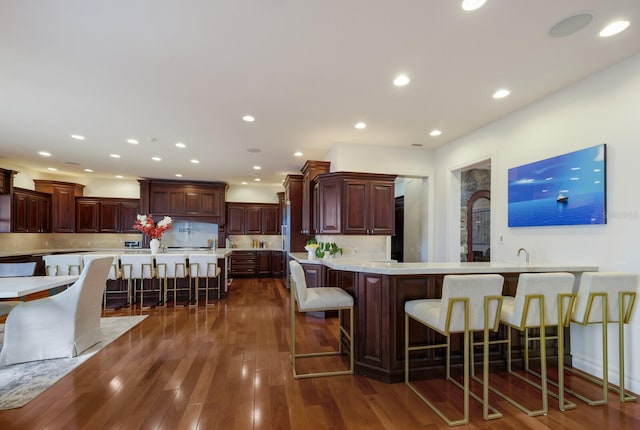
point(21, 383)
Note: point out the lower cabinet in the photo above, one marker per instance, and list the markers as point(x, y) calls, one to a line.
point(243, 263)
point(257, 263)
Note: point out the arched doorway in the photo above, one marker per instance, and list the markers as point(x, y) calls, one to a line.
point(479, 226)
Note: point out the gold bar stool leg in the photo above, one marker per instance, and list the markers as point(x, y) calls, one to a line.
point(332, 299)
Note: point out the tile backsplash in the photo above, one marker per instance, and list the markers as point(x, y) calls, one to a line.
point(16, 242)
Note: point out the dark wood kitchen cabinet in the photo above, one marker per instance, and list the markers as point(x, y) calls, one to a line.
point(243, 263)
point(63, 203)
point(264, 262)
point(277, 263)
point(31, 211)
point(106, 215)
point(193, 200)
point(253, 218)
point(356, 203)
point(310, 171)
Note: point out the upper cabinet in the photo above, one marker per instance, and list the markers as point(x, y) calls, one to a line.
point(203, 201)
point(310, 171)
point(31, 212)
point(63, 203)
point(355, 203)
point(106, 215)
point(253, 218)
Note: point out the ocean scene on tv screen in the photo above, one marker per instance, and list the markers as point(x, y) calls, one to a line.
point(565, 190)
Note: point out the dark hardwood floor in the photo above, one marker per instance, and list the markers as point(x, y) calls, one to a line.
point(227, 367)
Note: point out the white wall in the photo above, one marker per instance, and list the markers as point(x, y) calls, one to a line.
point(254, 193)
point(600, 109)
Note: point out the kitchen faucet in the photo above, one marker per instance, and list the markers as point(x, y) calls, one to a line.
point(526, 254)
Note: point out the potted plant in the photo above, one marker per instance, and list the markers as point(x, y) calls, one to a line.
point(334, 249)
point(311, 246)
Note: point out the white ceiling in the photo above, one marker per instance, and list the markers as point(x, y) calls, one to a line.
point(187, 71)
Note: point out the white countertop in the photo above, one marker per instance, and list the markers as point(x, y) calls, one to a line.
point(395, 268)
point(222, 252)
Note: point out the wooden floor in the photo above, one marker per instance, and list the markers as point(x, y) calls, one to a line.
point(227, 367)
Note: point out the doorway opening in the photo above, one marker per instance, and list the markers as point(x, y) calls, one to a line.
point(475, 213)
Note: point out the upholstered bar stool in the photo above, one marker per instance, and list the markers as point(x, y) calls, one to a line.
point(62, 264)
point(204, 266)
point(603, 298)
point(114, 272)
point(138, 267)
point(172, 267)
point(542, 300)
point(318, 299)
point(469, 303)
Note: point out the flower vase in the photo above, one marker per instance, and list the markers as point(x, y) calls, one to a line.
point(311, 252)
point(154, 244)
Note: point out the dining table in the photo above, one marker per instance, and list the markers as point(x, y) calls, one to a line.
point(25, 288)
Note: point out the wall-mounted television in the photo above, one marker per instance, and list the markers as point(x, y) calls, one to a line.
point(568, 189)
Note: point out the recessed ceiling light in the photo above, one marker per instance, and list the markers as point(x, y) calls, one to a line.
point(181, 145)
point(248, 118)
point(178, 175)
point(257, 167)
point(156, 158)
point(470, 5)
point(257, 179)
point(195, 161)
point(401, 80)
point(132, 141)
point(298, 154)
point(360, 125)
point(614, 28)
point(244, 182)
point(53, 169)
point(119, 176)
point(77, 137)
point(500, 94)
point(435, 132)
point(114, 156)
point(571, 25)
point(88, 170)
point(44, 153)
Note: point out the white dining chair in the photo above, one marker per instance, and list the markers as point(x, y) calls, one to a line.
point(63, 325)
point(114, 274)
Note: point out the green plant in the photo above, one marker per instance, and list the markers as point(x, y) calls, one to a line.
point(334, 249)
point(319, 252)
point(311, 241)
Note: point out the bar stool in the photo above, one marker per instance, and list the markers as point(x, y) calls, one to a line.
point(62, 264)
point(114, 272)
point(605, 297)
point(204, 266)
point(318, 299)
point(138, 267)
point(542, 300)
point(469, 303)
point(174, 267)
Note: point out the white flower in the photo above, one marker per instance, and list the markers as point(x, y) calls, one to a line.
point(165, 222)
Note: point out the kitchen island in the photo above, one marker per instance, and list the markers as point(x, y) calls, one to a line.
point(380, 289)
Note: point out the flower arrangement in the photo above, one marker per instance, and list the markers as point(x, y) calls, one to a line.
point(146, 225)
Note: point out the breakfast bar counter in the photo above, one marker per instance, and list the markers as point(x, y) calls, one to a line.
point(380, 289)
